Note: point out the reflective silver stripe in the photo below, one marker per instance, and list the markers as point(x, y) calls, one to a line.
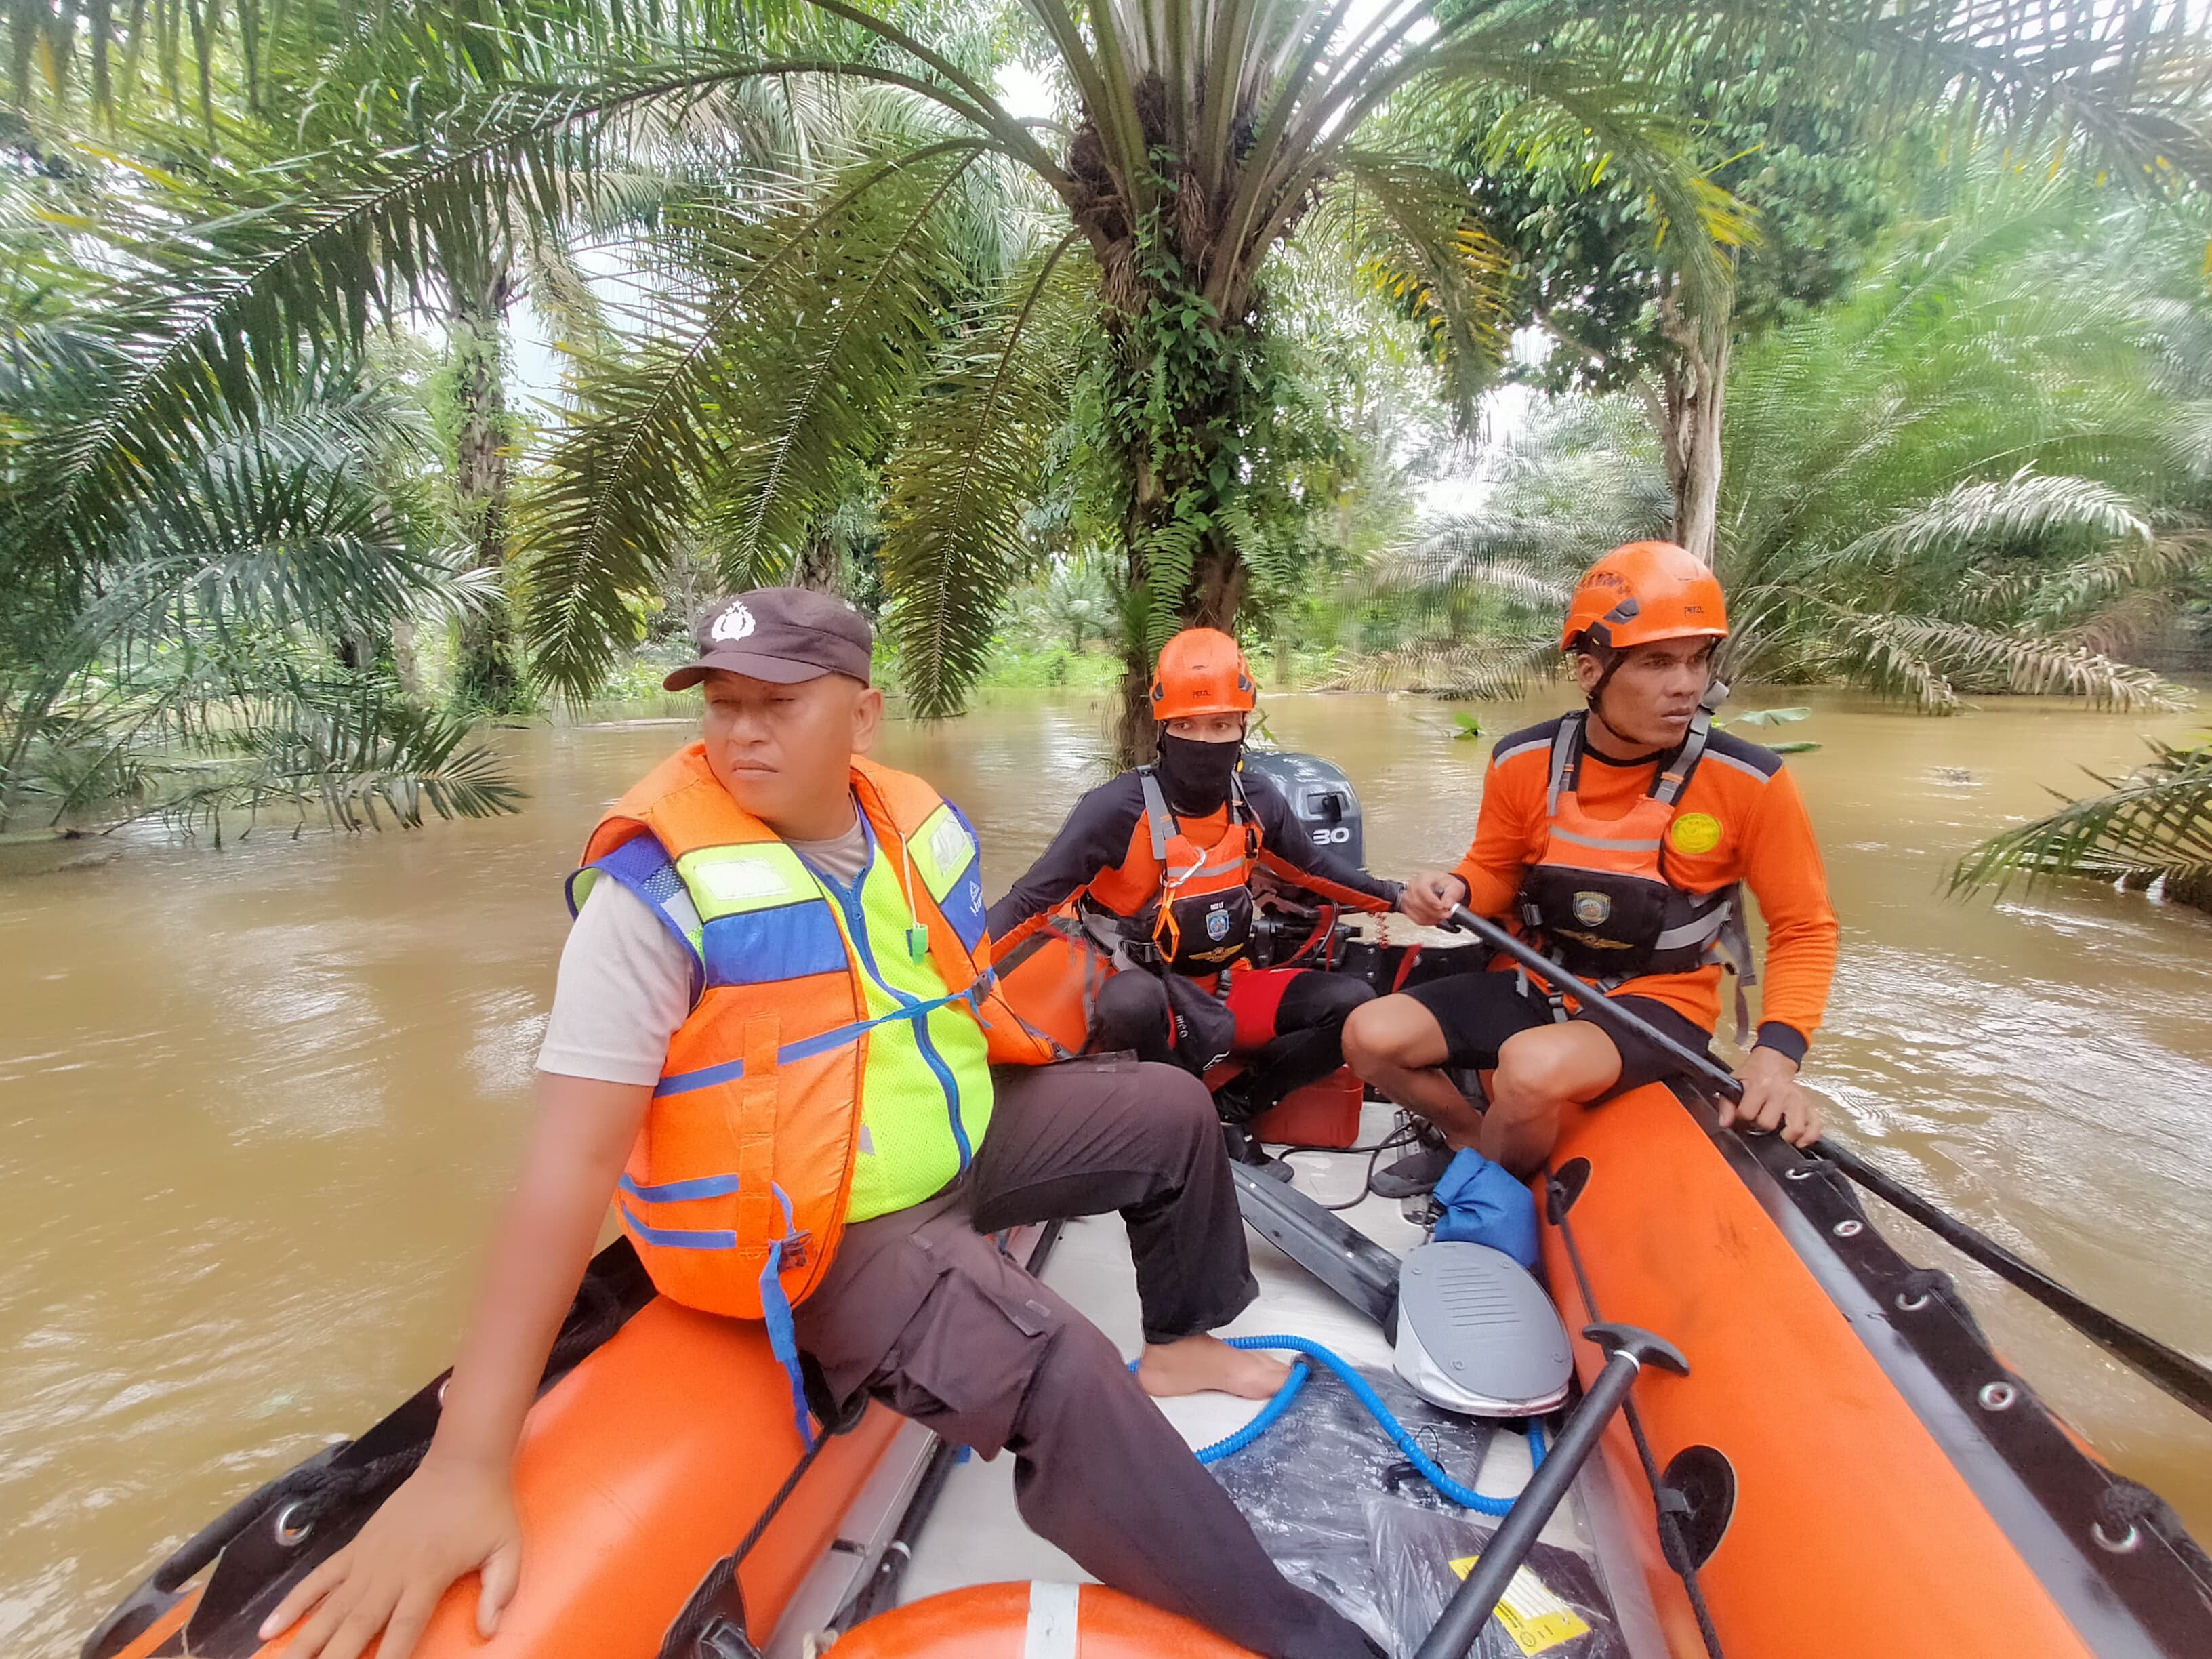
point(1157, 814)
point(685, 915)
point(1702, 931)
point(1053, 1620)
point(1564, 742)
point(1498, 755)
point(1742, 766)
point(1603, 842)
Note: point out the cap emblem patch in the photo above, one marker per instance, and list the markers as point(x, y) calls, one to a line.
point(735, 624)
point(1592, 909)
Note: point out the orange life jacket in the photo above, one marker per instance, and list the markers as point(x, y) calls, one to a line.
point(1613, 899)
point(1169, 902)
point(741, 1179)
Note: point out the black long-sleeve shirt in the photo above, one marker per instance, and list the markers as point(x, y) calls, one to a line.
point(1101, 831)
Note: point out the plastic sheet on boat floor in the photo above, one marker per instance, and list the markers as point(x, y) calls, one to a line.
point(1553, 1607)
point(1305, 1485)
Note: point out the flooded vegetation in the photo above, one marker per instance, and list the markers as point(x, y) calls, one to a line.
point(259, 1104)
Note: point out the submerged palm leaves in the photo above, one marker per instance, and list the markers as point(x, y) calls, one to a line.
point(2153, 828)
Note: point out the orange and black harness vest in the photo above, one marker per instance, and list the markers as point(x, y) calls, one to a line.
point(1601, 895)
point(1170, 903)
point(835, 1062)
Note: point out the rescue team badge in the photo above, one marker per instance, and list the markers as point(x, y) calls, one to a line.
point(1592, 909)
point(735, 624)
point(1694, 832)
point(1217, 925)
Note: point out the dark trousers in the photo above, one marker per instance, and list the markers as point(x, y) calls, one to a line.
point(922, 1310)
point(1306, 1043)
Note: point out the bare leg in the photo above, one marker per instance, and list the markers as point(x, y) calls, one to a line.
point(1540, 1073)
point(1396, 1044)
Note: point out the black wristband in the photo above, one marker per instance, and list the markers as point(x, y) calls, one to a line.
point(1785, 1040)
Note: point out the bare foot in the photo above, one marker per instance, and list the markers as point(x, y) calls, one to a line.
point(1198, 1364)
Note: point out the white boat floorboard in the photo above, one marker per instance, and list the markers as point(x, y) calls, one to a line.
point(977, 1535)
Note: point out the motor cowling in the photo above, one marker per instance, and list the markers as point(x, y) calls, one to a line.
point(1322, 800)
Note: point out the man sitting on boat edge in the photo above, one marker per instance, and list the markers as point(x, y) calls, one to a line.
point(1129, 932)
point(775, 1045)
point(1619, 838)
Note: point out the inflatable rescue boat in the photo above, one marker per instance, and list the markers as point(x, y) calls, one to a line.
point(1724, 1416)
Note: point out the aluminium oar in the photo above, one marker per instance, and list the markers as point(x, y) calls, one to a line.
point(2179, 1375)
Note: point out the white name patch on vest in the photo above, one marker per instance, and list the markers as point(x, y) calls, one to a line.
point(950, 847)
point(741, 881)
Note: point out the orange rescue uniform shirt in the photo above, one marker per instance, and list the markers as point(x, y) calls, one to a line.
point(1766, 842)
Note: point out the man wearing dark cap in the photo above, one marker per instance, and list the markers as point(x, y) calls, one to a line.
point(775, 1044)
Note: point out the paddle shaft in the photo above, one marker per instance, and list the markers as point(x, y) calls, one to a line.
point(2172, 1370)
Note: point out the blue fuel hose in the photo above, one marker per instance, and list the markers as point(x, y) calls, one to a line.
point(1364, 1391)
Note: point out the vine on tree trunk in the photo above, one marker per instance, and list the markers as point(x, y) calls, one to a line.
point(1177, 390)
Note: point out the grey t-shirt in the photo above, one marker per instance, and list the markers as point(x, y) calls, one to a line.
point(625, 980)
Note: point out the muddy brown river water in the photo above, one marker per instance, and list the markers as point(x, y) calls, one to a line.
point(257, 1106)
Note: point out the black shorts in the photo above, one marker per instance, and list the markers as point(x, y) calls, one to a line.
point(1478, 1012)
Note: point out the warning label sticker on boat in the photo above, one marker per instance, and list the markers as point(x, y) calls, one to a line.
point(1536, 1620)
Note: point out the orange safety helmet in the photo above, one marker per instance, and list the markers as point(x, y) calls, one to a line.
point(1203, 671)
point(1644, 591)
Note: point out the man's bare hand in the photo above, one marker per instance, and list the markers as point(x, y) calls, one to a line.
point(1429, 897)
point(1774, 1099)
point(448, 1519)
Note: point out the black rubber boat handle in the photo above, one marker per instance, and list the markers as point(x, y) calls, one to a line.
point(2185, 1379)
point(1628, 1351)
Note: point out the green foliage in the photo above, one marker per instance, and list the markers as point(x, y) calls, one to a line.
point(853, 268)
point(1972, 475)
point(2154, 827)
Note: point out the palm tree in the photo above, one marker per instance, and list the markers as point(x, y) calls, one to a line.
point(219, 651)
point(852, 308)
point(1978, 474)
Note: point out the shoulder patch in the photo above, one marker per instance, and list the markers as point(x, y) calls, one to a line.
point(1745, 757)
point(1521, 742)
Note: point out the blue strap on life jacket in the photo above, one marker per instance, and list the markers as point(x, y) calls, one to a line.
point(705, 1077)
point(783, 1334)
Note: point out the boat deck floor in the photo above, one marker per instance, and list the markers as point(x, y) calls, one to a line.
point(976, 1534)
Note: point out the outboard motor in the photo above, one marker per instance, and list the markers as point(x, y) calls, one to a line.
point(1325, 808)
point(1320, 796)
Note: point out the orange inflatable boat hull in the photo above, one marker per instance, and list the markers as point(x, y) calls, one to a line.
point(637, 1472)
point(1854, 1535)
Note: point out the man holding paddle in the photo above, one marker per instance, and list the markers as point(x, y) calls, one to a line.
point(1619, 839)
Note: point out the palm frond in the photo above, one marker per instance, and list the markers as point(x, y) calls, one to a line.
point(2027, 505)
point(1932, 660)
point(1442, 265)
point(347, 752)
point(1486, 668)
point(977, 434)
point(2156, 826)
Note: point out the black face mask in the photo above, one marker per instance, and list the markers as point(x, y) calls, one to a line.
point(1195, 777)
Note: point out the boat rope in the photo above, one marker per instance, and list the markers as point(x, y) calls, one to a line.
point(1672, 1544)
point(719, 1588)
point(1364, 1391)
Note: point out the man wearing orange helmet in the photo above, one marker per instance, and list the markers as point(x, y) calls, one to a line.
point(1118, 938)
point(1619, 838)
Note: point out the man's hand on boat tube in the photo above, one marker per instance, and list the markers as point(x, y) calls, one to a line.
point(1773, 1099)
point(1429, 897)
point(449, 1518)
point(455, 1514)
